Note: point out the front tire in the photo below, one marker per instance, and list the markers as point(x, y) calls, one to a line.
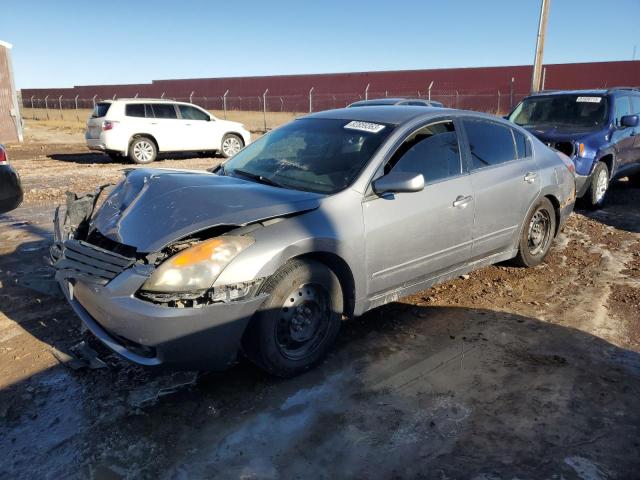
point(299, 321)
point(142, 150)
point(231, 144)
point(537, 234)
point(598, 186)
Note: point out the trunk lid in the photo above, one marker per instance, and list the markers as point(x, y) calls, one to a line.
point(94, 124)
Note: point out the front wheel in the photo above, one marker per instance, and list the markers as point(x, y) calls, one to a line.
point(299, 321)
point(537, 234)
point(598, 186)
point(231, 144)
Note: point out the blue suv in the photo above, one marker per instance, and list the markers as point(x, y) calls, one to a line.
point(597, 129)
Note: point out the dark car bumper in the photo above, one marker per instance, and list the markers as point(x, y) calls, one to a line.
point(10, 189)
point(206, 338)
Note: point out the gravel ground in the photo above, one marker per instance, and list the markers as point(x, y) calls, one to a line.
point(509, 373)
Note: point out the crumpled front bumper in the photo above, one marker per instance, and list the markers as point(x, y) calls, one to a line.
point(207, 337)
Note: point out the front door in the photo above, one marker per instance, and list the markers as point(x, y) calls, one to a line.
point(623, 138)
point(196, 125)
point(410, 236)
point(505, 179)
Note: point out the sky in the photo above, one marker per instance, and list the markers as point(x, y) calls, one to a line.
point(61, 43)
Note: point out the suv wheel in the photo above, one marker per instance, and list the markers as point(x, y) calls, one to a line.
point(598, 186)
point(231, 144)
point(299, 321)
point(143, 150)
point(537, 235)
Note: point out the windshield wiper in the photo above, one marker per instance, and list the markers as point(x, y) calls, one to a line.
point(256, 177)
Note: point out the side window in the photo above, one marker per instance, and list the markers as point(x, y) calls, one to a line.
point(622, 107)
point(635, 105)
point(134, 110)
point(490, 143)
point(432, 151)
point(190, 113)
point(164, 110)
point(416, 103)
point(522, 144)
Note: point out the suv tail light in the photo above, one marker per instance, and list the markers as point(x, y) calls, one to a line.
point(3, 156)
point(108, 125)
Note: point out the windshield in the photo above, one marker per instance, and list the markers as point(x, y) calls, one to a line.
point(317, 155)
point(583, 111)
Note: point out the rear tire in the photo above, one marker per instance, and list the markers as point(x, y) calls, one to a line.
point(598, 186)
point(231, 144)
point(537, 235)
point(299, 321)
point(142, 150)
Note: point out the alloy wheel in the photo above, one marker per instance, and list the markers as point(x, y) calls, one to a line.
point(231, 146)
point(143, 151)
point(601, 185)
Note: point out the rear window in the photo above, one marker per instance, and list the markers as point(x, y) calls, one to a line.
point(490, 143)
point(522, 144)
point(164, 110)
point(100, 110)
point(134, 110)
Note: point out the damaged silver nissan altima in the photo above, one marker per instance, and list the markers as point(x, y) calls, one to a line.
point(321, 219)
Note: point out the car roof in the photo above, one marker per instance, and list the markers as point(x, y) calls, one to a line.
point(146, 100)
point(381, 114)
point(387, 101)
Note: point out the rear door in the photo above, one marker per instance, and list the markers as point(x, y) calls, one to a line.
point(506, 181)
point(166, 128)
point(417, 235)
point(196, 126)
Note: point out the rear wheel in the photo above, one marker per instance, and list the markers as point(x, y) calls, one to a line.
point(598, 186)
point(231, 144)
point(298, 322)
point(142, 150)
point(537, 234)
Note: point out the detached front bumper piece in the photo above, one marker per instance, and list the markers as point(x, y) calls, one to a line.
point(101, 287)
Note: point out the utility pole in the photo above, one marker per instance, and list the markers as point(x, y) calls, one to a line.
point(537, 61)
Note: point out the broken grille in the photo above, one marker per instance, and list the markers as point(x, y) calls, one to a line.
point(93, 264)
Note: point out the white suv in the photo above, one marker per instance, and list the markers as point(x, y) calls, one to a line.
point(140, 128)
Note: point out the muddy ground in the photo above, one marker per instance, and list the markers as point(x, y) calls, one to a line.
point(510, 373)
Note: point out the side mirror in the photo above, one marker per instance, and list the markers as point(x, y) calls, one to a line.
point(397, 182)
point(629, 121)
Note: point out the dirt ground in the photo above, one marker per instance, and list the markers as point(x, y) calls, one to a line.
point(509, 373)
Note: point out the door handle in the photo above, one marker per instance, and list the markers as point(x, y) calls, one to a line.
point(154, 123)
point(530, 177)
point(462, 201)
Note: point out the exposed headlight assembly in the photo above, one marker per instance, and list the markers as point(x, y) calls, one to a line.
point(196, 267)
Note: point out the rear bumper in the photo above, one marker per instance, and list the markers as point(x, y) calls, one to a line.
point(95, 144)
point(205, 338)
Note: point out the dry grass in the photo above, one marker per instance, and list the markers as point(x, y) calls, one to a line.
point(72, 122)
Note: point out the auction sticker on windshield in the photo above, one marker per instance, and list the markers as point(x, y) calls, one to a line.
point(364, 126)
point(589, 99)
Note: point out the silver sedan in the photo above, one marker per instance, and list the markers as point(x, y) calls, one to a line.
point(322, 219)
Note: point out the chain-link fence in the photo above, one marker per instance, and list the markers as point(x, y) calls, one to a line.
point(262, 112)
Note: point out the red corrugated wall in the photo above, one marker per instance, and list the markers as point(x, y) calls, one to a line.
point(466, 81)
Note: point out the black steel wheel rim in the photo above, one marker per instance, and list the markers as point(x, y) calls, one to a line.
point(303, 321)
point(539, 232)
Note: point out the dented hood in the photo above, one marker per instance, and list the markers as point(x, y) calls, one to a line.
point(151, 208)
